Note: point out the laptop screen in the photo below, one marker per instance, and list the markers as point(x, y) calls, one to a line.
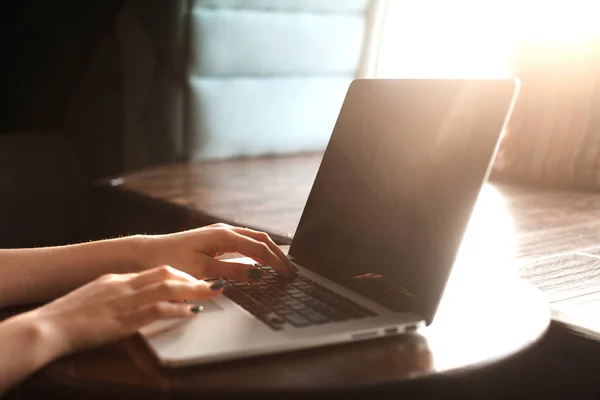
point(397, 185)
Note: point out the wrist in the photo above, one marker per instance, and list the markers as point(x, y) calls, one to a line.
point(43, 339)
point(140, 252)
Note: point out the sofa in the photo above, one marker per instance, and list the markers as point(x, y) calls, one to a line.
point(208, 79)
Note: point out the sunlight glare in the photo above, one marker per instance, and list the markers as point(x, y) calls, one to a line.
point(485, 266)
point(475, 38)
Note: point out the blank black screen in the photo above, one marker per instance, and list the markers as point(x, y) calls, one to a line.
point(397, 185)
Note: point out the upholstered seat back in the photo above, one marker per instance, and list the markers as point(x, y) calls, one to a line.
point(227, 78)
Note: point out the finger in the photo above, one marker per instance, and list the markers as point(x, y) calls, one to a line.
point(160, 274)
point(265, 238)
point(158, 311)
point(171, 290)
point(230, 241)
point(231, 270)
point(220, 225)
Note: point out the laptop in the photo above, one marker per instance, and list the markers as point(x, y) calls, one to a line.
point(379, 233)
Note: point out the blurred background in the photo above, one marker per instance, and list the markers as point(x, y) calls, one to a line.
point(137, 83)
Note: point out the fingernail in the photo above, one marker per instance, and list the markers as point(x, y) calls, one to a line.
point(196, 309)
point(218, 284)
point(254, 274)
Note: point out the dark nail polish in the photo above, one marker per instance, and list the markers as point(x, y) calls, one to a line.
point(217, 284)
point(196, 309)
point(254, 274)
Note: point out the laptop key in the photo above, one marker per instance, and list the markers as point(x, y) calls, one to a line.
point(317, 318)
point(297, 320)
point(340, 306)
point(272, 292)
point(262, 286)
point(257, 308)
point(274, 318)
point(236, 295)
point(270, 302)
point(323, 309)
point(280, 309)
point(259, 297)
point(275, 327)
point(274, 321)
point(301, 302)
point(311, 302)
point(325, 297)
point(246, 304)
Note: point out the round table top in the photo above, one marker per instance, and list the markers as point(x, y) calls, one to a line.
point(482, 319)
point(485, 315)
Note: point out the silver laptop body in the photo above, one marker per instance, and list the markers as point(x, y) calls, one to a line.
point(380, 230)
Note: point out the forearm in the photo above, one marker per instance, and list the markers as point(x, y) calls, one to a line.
point(41, 274)
point(26, 345)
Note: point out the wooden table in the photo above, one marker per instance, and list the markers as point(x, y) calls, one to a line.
point(478, 324)
point(269, 194)
point(475, 328)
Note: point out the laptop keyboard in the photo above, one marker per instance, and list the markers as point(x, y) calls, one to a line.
point(298, 302)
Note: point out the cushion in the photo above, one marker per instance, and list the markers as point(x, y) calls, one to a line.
point(260, 115)
point(295, 5)
point(251, 42)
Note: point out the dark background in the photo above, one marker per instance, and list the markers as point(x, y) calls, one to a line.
point(45, 48)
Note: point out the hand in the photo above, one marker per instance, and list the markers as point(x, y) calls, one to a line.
point(194, 252)
point(116, 306)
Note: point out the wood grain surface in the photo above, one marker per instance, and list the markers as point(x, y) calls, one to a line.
point(511, 227)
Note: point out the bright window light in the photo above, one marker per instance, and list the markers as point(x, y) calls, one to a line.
point(475, 38)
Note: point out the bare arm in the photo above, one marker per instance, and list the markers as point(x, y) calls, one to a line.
point(110, 307)
point(41, 274)
point(38, 275)
point(25, 347)
point(106, 309)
